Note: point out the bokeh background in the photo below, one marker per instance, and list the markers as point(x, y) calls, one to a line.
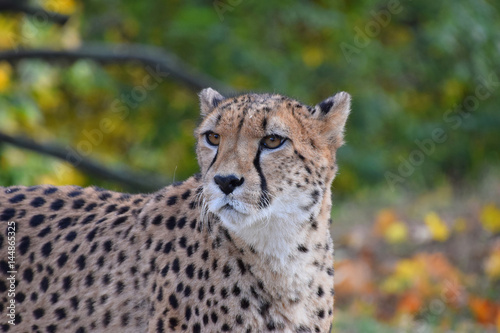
point(105, 93)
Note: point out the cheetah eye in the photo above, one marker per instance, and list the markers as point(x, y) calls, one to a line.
point(212, 138)
point(272, 141)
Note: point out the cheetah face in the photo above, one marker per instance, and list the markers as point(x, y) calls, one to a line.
point(267, 159)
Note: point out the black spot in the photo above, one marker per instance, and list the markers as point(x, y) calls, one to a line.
point(54, 298)
point(57, 204)
point(214, 317)
point(182, 242)
point(201, 294)
point(244, 303)
point(226, 270)
point(123, 210)
point(172, 200)
point(81, 262)
point(173, 301)
point(119, 221)
point(105, 196)
point(329, 271)
point(107, 318)
point(107, 245)
point(60, 313)
point(51, 329)
point(121, 257)
point(17, 198)
point(125, 319)
point(20, 297)
point(73, 194)
point(71, 236)
point(67, 283)
point(90, 306)
point(64, 223)
point(181, 223)
point(80, 330)
point(186, 195)
point(173, 322)
point(119, 287)
point(187, 291)
point(88, 219)
point(176, 265)
point(157, 220)
point(7, 214)
point(78, 203)
point(24, 245)
point(302, 248)
point(271, 326)
point(106, 279)
point(44, 232)
point(44, 284)
point(91, 234)
point(38, 313)
point(171, 222)
point(190, 271)
point(321, 313)
point(197, 328)
point(50, 190)
point(28, 275)
point(224, 293)
point(320, 292)
point(89, 280)
point(159, 326)
point(47, 249)
point(90, 207)
point(37, 220)
point(204, 255)
point(241, 266)
point(63, 258)
point(37, 202)
point(236, 290)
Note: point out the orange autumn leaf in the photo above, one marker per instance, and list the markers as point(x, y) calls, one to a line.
point(385, 218)
point(411, 302)
point(353, 277)
point(484, 310)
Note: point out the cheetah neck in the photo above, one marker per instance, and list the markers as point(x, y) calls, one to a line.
point(287, 253)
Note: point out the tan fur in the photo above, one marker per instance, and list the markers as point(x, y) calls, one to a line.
point(189, 257)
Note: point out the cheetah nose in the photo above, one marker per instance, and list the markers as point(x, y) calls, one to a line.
point(227, 184)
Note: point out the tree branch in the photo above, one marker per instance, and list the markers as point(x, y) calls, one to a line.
point(153, 58)
point(131, 180)
point(38, 13)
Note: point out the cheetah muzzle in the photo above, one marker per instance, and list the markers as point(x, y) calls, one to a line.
point(244, 246)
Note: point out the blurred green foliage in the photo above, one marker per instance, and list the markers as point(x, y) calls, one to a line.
point(407, 64)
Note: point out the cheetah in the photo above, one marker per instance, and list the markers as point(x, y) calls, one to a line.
point(243, 246)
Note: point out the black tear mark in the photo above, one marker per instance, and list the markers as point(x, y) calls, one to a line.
point(265, 199)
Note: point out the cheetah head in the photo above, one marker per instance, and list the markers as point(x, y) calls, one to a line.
point(267, 161)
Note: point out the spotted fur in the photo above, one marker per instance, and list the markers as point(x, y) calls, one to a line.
point(244, 246)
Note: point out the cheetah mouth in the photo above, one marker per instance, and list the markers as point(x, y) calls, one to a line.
point(227, 207)
point(232, 208)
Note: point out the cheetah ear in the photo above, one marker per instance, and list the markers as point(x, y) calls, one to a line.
point(334, 112)
point(209, 99)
